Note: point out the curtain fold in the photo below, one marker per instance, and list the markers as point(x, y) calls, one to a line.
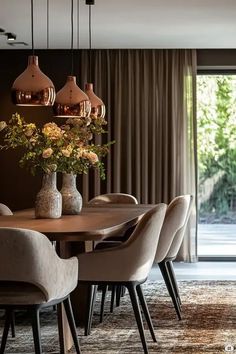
point(150, 100)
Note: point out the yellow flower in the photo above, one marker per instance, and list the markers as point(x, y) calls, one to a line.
point(51, 168)
point(29, 129)
point(67, 151)
point(91, 156)
point(33, 141)
point(80, 153)
point(47, 153)
point(3, 125)
point(52, 131)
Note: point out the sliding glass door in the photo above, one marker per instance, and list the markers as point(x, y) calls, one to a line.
point(216, 125)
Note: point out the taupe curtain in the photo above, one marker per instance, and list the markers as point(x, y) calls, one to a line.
point(150, 101)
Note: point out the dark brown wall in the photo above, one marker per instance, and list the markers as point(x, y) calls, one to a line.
point(17, 187)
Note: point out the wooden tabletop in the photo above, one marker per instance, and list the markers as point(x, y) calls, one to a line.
point(93, 223)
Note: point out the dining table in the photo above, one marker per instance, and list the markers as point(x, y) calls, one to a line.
point(74, 234)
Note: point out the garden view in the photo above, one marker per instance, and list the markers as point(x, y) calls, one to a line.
point(216, 120)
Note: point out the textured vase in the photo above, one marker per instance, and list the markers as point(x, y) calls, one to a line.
point(48, 204)
point(71, 198)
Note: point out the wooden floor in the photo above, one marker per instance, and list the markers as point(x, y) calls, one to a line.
point(199, 271)
point(217, 240)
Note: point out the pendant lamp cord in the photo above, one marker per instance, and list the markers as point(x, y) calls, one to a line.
point(47, 24)
point(72, 37)
point(78, 16)
point(32, 25)
point(90, 44)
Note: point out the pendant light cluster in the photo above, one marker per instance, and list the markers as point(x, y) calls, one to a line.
point(97, 106)
point(33, 87)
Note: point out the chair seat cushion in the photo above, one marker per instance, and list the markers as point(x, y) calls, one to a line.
point(19, 293)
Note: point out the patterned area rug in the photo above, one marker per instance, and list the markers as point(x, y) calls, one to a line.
point(208, 325)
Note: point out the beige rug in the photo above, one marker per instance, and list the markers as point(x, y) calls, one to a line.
point(208, 325)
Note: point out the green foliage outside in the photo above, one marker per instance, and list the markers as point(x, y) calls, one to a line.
point(216, 117)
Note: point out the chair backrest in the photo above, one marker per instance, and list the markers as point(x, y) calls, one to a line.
point(138, 252)
point(131, 260)
point(114, 198)
point(177, 241)
point(4, 210)
point(28, 256)
point(173, 228)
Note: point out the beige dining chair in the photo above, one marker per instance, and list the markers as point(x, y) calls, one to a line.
point(127, 264)
point(113, 198)
point(4, 210)
point(33, 277)
point(170, 240)
point(103, 199)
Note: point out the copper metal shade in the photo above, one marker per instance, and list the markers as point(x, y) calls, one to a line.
point(33, 87)
point(98, 108)
point(71, 101)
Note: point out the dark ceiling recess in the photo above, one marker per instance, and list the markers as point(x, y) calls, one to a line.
point(17, 43)
point(10, 36)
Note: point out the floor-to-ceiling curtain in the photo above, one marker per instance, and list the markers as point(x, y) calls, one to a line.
point(150, 101)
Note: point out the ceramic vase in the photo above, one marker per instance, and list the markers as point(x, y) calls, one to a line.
point(48, 202)
point(71, 198)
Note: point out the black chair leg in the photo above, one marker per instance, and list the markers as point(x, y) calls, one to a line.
point(104, 293)
point(8, 317)
point(123, 288)
point(137, 312)
point(170, 268)
point(13, 333)
point(170, 289)
point(36, 330)
point(146, 312)
point(118, 295)
point(71, 321)
point(90, 308)
point(113, 292)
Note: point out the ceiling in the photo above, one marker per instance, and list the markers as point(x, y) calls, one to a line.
point(123, 23)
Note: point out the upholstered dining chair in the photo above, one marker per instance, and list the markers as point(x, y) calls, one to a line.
point(32, 277)
point(127, 264)
point(112, 198)
point(170, 240)
point(4, 210)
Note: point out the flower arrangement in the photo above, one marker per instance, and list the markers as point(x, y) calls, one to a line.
point(68, 148)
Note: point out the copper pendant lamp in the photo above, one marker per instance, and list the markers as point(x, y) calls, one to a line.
point(33, 87)
point(98, 109)
point(71, 101)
